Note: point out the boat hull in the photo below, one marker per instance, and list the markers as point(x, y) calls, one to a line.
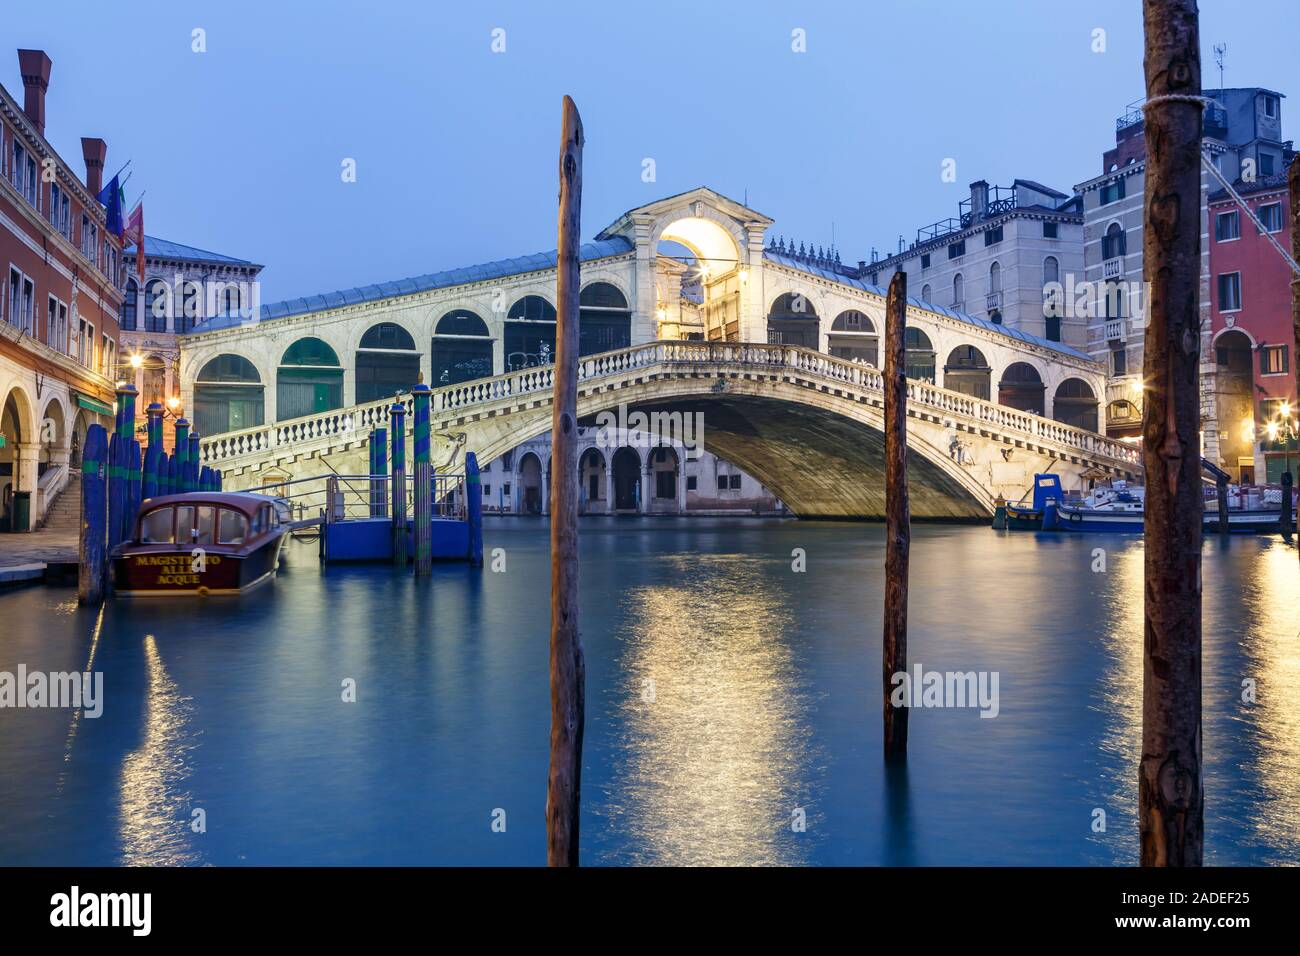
point(1090, 521)
point(168, 571)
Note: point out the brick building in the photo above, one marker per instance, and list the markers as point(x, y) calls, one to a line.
point(1251, 331)
point(59, 291)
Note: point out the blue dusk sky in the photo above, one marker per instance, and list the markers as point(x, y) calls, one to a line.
point(241, 147)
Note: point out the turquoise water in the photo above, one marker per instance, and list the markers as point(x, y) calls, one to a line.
point(729, 697)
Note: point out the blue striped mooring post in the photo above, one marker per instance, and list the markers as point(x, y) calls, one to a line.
point(119, 450)
point(379, 468)
point(155, 459)
point(397, 424)
point(423, 482)
point(180, 454)
point(94, 516)
point(192, 459)
point(474, 509)
point(134, 488)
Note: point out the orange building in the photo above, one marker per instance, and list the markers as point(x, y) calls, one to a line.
point(60, 279)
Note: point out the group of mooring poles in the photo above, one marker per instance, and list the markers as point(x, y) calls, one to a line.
point(117, 475)
point(389, 443)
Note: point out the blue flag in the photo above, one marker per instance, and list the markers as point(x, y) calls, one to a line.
point(111, 197)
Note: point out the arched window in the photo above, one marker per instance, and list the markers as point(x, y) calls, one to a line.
point(227, 396)
point(958, 292)
point(918, 354)
point(157, 305)
point(995, 278)
point(853, 337)
point(387, 363)
point(190, 308)
point(462, 348)
point(1051, 270)
point(925, 293)
point(130, 302)
point(605, 322)
point(1112, 244)
point(309, 380)
point(530, 333)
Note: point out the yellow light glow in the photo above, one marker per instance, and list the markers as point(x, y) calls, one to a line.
point(173, 402)
point(744, 275)
point(137, 360)
point(1136, 386)
point(1271, 428)
point(1286, 409)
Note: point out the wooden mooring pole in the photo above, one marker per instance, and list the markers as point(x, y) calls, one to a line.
point(898, 518)
point(568, 669)
point(423, 486)
point(1170, 791)
point(397, 431)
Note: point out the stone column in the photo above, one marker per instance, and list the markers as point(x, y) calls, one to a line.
point(26, 457)
point(499, 354)
point(647, 486)
point(609, 485)
point(645, 327)
point(681, 482)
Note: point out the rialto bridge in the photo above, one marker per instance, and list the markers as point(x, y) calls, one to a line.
point(671, 293)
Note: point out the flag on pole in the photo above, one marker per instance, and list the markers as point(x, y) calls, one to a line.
point(134, 232)
point(111, 197)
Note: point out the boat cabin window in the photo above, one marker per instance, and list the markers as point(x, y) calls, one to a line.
point(259, 521)
point(206, 531)
point(234, 527)
point(156, 526)
point(184, 524)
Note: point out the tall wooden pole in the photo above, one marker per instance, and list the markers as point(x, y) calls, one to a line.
point(898, 518)
point(1293, 191)
point(568, 669)
point(1170, 792)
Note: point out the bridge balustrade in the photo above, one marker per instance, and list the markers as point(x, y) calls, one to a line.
point(219, 450)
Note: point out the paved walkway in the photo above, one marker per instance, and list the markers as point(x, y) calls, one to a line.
point(38, 547)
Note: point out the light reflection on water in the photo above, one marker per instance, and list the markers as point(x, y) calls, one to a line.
point(713, 746)
point(154, 807)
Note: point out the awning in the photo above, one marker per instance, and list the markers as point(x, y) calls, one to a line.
point(94, 405)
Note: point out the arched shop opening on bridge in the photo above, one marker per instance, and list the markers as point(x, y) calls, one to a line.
point(1235, 400)
point(1075, 404)
point(461, 348)
point(853, 336)
point(1021, 387)
point(530, 333)
point(968, 372)
point(918, 354)
point(309, 380)
point(664, 471)
point(228, 396)
point(792, 320)
point(387, 363)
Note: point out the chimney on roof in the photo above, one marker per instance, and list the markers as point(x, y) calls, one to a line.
point(95, 150)
point(979, 199)
point(34, 66)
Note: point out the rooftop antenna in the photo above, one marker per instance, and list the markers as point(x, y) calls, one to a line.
point(1220, 54)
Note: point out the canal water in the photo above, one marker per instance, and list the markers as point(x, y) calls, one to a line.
point(733, 706)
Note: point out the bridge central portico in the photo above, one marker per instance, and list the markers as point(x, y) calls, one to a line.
point(671, 292)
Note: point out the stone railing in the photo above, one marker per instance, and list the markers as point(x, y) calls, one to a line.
point(326, 429)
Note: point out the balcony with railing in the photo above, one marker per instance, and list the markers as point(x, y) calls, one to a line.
point(1113, 268)
point(1114, 330)
point(993, 301)
point(1215, 120)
